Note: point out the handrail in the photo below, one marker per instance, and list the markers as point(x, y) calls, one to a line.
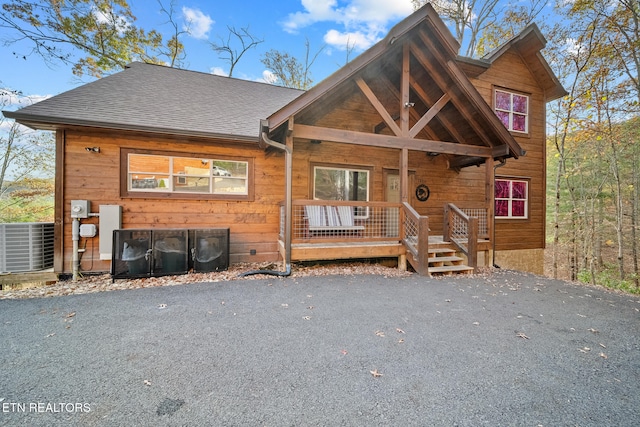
point(461, 230)
point(416, 238)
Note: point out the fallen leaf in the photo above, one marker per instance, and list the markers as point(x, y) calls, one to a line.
point(161, 306)
point(50, 335)
point(147, 382)
point(307, 317)
point(400, 331)
point(310, 307)
point(400, 341)
point(73, 313)
point(344, 352)
point(602, 345)
point(476, 323)
point(375, 373)
point(380, 333)
point(585, 349)
point(522, 335)
point(595, 331)
point(604, 356)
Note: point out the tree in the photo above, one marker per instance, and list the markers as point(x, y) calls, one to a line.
point(174, 49)
point(102, 34)
point(471, 16)
point(516, 17)
point(230, 54)
point(26, 170)
point(288, 71)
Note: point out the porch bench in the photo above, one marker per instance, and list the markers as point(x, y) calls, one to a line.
point(331, 220)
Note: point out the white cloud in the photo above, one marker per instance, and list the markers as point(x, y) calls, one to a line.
point(198, 24)
point(219, 71)
point(108, 17)
point(268, 77)
point(12, 101)
point(361, 22)
point(350, 40)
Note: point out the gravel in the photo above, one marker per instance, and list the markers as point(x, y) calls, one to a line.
point(500, 349)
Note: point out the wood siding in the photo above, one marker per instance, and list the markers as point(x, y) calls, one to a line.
point(96, 177)
point(512, 74)
point(465, 189)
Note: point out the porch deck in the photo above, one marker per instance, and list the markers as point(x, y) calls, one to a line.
point(353, 249)
point(327, 230)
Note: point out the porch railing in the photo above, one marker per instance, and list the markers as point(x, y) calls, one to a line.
point(343, 221)
point(462, 230)
point(317, 221)
point(416, 238)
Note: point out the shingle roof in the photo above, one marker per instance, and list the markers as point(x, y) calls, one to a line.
point(161, 99)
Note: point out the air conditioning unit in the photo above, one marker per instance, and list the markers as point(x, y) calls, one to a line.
point(26, 247)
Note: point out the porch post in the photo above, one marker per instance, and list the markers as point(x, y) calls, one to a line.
point(404, 175)
point(489, 194)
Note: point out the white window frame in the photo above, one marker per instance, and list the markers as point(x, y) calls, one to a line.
point(181, 177)
point(510, 111)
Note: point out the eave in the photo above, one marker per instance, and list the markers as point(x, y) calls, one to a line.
point(55, 123)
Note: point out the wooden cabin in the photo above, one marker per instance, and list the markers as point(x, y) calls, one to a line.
point(408, 152)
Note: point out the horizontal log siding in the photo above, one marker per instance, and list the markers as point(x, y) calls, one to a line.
point(96, 177)
point(513, 74)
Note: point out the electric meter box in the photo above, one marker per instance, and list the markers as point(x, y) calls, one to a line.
point(80, 208)
point(88, 230)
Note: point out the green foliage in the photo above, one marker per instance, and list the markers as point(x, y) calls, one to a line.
point(102, 33)
point(288, 71)
point(30, 200)
point(27, 161)
point(609, 278)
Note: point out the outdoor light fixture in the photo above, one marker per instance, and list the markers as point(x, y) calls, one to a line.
point(315, 141)
point(409, 104)
point(92, 149)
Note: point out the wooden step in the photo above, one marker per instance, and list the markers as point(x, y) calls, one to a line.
point(449, 269)
point(441, 251)
point(455, 260)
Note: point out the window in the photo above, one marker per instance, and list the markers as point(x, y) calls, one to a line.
point(512, 198)
point(332, 183)
point(179, 175)
point(513, 110)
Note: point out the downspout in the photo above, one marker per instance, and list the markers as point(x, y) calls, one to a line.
point(501, 164)
point(288, 155)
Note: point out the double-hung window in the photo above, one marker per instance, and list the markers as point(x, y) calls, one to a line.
point(512, 198)
point(513, 110)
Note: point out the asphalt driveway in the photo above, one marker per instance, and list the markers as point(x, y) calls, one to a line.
point(506, 349)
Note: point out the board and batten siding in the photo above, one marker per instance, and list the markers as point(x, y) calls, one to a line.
point(253, 224)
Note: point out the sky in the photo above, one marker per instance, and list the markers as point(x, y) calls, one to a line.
point(284, 25)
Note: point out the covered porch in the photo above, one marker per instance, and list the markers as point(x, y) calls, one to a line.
point(404, 107)
point(328, 230)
